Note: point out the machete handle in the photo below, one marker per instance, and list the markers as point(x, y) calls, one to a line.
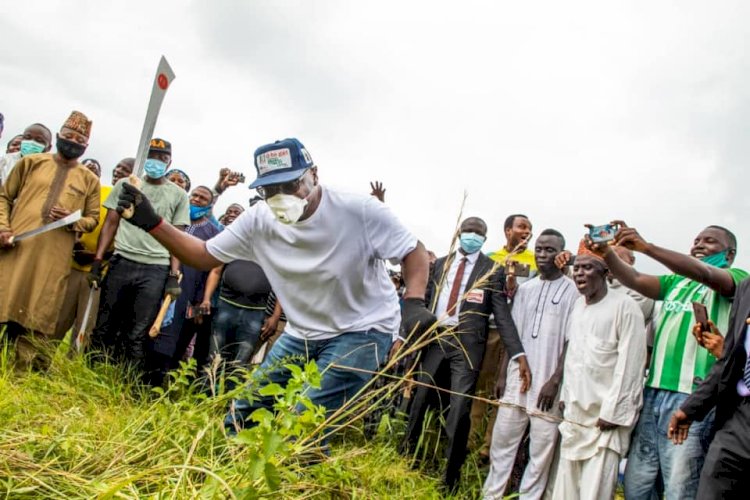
point(128, 212)
point(156, 327)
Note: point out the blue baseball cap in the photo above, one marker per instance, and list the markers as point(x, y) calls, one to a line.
point(280, 162)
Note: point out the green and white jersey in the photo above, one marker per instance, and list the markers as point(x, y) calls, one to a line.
point(677, 358)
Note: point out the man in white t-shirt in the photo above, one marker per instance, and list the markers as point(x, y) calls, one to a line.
point(323, 252)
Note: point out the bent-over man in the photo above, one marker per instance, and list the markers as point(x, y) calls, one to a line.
point(323, 252)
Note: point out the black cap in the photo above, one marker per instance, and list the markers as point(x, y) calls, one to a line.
point(160, 146)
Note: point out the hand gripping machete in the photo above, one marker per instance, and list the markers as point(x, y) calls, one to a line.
point(70, 219)
point(162, 81)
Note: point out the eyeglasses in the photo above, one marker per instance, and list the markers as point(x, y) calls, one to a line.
point(272, 190)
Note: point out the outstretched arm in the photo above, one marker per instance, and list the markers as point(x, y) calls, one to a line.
point(186, 248)
point(715, 278)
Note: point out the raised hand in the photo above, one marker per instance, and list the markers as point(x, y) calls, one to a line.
point(629, 237)
point(378, 191)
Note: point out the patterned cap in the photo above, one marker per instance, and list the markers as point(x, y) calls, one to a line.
point(584, 250)
point(79, 122)
point(160, 145)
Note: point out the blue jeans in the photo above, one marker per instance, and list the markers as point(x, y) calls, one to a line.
point(366, 350)
point(235, 331)
point(653, 455)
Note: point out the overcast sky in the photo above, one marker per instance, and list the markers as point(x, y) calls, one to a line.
point(570, 112)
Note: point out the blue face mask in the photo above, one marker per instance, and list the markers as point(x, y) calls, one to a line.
point(30, 147)
point(718, 259)
point(471, 242)
point(198, 212)
point(155, 168)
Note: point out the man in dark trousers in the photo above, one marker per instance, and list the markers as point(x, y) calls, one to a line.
point(142, 269)
point(464, 291)
point(727, 387)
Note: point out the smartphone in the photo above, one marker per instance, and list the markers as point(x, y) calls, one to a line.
point(701, 315)
point(571, 261)
point(517, 269)
point(603, 234)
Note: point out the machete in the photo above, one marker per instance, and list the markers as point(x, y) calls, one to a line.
point(70, 219)
point(85, 321)
point(162, 81)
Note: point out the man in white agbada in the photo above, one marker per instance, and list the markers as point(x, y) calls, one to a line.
point(541, 309)
point(602, 387)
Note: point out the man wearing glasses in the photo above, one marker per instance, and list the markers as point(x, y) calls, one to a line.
point(323, 252)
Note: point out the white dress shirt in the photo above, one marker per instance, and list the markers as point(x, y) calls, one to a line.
point(445, 291)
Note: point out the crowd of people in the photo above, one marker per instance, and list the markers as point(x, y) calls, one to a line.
point(559, 367)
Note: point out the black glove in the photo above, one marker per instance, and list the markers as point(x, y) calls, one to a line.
point(95, 275)
point(414, 314)
point(144, 215)
point(173, 286)
point(81, 256)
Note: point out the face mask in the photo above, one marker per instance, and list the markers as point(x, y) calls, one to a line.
point(30, 147)
point(471, 242)
point(155, 168)
point(198, 212)
point(286, 207)
point(718, 259)
point(69, 150)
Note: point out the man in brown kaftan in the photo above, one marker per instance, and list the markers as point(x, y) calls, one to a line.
point(34, 273)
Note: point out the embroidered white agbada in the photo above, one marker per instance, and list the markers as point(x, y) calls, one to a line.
point(541, 312)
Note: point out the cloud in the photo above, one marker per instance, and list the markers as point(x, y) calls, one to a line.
point(571, 113)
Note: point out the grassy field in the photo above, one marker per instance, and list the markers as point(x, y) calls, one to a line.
point(78, 431)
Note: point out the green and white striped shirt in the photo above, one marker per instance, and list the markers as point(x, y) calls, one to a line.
point(677, 359)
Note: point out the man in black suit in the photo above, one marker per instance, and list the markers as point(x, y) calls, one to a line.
point(727, 387)
point(463, 290)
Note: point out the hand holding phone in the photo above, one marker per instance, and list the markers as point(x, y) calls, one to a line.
point(701, 316)
point(518, 269)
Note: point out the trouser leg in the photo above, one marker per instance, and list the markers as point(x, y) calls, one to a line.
point(482, 414)
point(149, 290)
point(642, 470)
point(115, 304)
point(286, 350)
point(457, 425)
point(429, 367)
point(361, 350)
point(542, 443)
point(506, 436)
point(726, 472)
point(681, 465)
point(598, 479)
point(567, 480)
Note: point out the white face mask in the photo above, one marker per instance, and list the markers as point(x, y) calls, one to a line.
point(286, 207)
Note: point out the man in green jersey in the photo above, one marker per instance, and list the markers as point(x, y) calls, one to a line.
point(678, 363)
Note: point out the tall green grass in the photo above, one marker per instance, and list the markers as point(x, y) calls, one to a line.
point(91, 431)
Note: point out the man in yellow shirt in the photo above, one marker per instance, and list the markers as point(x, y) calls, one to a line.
point(517, 229)
point(84, 251)
point(517, 232)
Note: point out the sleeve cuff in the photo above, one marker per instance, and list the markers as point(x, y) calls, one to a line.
point(512, 358)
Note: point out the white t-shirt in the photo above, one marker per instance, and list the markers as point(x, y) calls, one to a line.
point(328, 271)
